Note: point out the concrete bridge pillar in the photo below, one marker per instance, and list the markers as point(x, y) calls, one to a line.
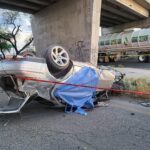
point(73, 24)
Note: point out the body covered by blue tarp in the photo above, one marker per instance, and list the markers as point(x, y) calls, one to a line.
point(78, 97)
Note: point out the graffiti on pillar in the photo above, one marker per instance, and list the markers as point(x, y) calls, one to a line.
point(78, 50)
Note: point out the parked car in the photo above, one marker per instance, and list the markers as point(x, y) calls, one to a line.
point(55, 80)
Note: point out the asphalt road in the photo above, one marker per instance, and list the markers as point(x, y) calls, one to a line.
point(119, 126)
point(129, 63)
point(131, 67)
point(122, 125)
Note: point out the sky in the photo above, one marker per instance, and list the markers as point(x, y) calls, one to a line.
point(24, 21)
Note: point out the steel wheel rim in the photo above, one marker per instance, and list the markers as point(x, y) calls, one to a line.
point(142, 58)
point(60, 56)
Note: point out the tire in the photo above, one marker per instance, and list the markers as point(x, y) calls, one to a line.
point(62, 73)
point(101, 58)
point(143, 58)
point(57, 58)
point(112, 59)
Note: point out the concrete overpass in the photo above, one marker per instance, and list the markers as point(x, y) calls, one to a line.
point(75, 23)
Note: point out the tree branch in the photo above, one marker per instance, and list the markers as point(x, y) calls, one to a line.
point(8, 39)
point(11, 36)
point(26, 45)
point(3, 54)
point(18, 29)
point(13, 28)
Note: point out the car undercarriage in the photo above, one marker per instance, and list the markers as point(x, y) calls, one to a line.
point(54, 80)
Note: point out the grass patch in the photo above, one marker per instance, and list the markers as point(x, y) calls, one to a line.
point(140, 84)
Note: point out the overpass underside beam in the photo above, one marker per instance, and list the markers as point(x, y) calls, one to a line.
point(72, 24)
point(132, 6)
point(119, 28)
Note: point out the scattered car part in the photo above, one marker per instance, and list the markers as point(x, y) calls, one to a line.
point(146, 104)
point(118, 83)
point(14, 105)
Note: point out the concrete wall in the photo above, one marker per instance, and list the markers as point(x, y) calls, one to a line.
point(73, 24)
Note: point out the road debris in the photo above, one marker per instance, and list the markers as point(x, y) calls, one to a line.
point(146, 104)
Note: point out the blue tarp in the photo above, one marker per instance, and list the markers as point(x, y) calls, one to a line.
point(79, 97)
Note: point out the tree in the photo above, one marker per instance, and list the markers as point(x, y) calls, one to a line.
point(12, 29)
point(4, 46)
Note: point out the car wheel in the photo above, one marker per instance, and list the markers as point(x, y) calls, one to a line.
point(63, 72)
point(57, 58)
point(143, 58)
point(111, 59)
point(101, 58)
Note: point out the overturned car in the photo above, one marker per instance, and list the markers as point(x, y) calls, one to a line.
point(54, 80)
